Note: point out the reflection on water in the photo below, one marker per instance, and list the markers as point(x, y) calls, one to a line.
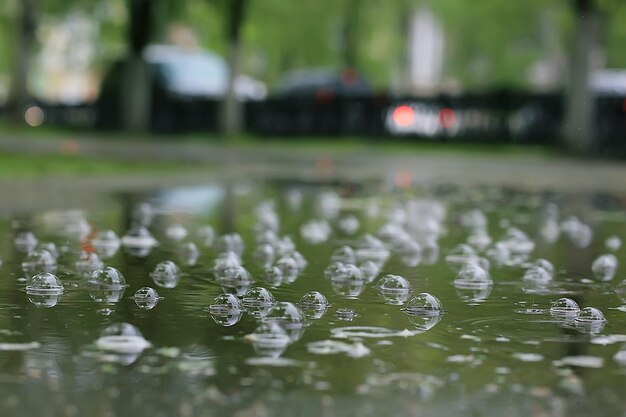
point(315, 300)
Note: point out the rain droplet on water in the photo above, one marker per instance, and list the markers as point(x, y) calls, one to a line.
point(604, 267)
point(258, 302)
point(25, 241)
point(564, 308)
point(146, 298)
point(423, 304)
point(44, 283)
point(472, 276)
point(39, 261)
point(166, 274)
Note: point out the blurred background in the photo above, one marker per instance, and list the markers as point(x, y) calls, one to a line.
point(547, 72)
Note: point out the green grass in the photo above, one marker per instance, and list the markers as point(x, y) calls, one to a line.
point(20, 165)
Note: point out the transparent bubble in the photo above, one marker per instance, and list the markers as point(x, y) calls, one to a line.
point(500, 253)
point(479, 239)
point(409, 252)
point(39, 261)
point(348, 288)
point(604, 267)
point(25, 241)
point(225, 261)
point(315, 231)
point(50, 247)
point(546, 265)
point(345, 314)
point(334, 271)
point(273, 276)
point(107, 277)
point(537, 274)
point(620, 356)
point(473, 295)
point(87, 263)
point(237, 275)
point(300, 260)
point(231, 242)
point(613, 243)
point(143, 214)
point(166, 274)
point(518, 242)
point(289, 268)
point(369, 270)
point(226, 310)
point(106, 243)
point(44, 300)
point(264, 254)
point(294, 199)
point(269, 339)
point(424, 304)
point(138, 237)
point(287, 315)
point(430, 253)
point(146, 298)
point(348, 225)
point(472, 276)
point(108, 295)
point(370, 248)
point(590, 314)
point(565, 307)
point(460, 256)
point(314, 300)
point(188, 253)
point(45, 283)
point(620, 290)
point(176, 232)
point(343, 254)
point(284, 246)
point(258, 302)
point(122, 338)
point(394, 289)
point(206, 235)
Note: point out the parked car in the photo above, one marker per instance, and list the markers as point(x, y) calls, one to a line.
point(186, 88)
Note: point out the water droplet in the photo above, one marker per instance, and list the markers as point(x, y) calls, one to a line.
point(122, 338)
point(226, 310)
point(546, 265)
point(269, 339)
point(231, 242)
point(472, 276)
point(87, 263)
point(258, 302)
point(424, 304)
point(206, 236)
point(315, 231)
point(613, 243)
point(146, 298)
point(176, 232)
point(370, 248)
point(39, 261)
point(106, 243)
point(344, 254)
point(188, 253)
point(537, 275)
point(394, 289)
point(460, 256)
point(345, 314)
point(565, 308)
point(25, 241)
point(166, 274)
point(604, 267)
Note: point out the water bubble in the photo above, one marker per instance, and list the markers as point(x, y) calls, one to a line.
point(108, 295)
point(122, 338)
point(231, 242)
point(264, 254)
point(44, 300)
point(315, 231)
point(107, 277)
point(25, 241)
point(143, 214)
point(45, 283)
point(604, 267)
point(226, 310)
point(328, 205)
point(146, 298)
point(620, 356)
point(348, 224)
point(348, 281)
point(345, 314)
point(537, 275)
point(138, 241)
point(565, 308)
point(206, 235)
point(288, 266)
point(613, 243)
point(314, 304)
point(176, 232)
point(473, 295)
point(369, 270)
point(409, 252)
point(284, 246)
point(273, 276)
point(460, 256)
point(225, 261)
point(394, 289)
point(620, 290)
point(590, 320)
point(39, 261)
point(424, 322)
point(258, 302)
point(430, 252)
point(424, 304)
point(269, 339)
point(106, 243)
point(472, 276)
point(294, 198)
point(344, 254)
point(50, 247)
point(479, 239)
point(166, 274)
point(546, 265)
point(188, 253)
point(518, 242)
point(235, 276)
point(87, 263)
point(287, 315)
point(370, 248)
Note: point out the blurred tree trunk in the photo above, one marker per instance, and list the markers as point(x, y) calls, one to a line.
point(578, 126)
point(26, 27)
point(232, 109)
point(135, 94)
point(349, 31)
